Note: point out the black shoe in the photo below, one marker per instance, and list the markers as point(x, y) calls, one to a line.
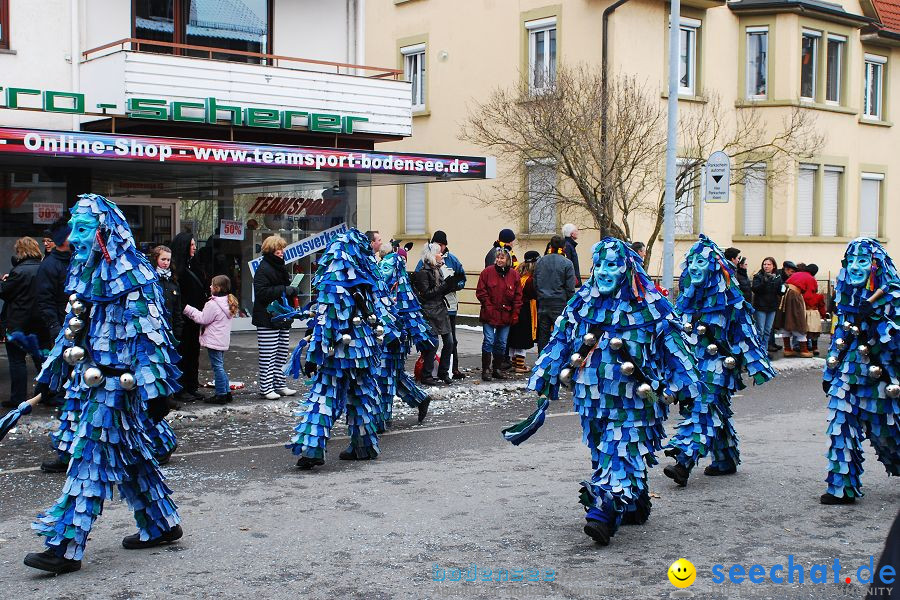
point(49, 561)
point(165, 458)
point(217, 399)
point(506, 364)
point(133, 542)
point(835, 500)
point(430, 381)
point(170, 402)
point(198, 397)
point(350, 454)
point(459, 375)
point(671, 452)
point(423, 408)
point(229, 397)
point(598, 531)
point(715, 471)
point(446, 380)
point(183, 396)
point(678, 473)
point(57, 465)
point(306, 463)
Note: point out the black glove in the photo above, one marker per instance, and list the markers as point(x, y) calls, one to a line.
point(865, 309)
point(826, 386)
point(309, 368)
point(394, 345)
point(157, 408)
point(290, 291)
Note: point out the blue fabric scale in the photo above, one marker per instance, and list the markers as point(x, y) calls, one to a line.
point(707, 425)
point(859, 407)
point(105, 428)
point(345, 379)
point(621, 429)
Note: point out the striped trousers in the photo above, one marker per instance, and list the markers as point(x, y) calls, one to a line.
point(273, 347)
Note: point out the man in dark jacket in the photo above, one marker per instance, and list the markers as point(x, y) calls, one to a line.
point(733, 255)
point(50, 283)
point(554, 279)
point(570, 234)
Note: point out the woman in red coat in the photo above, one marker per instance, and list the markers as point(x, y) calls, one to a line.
point(500, 294)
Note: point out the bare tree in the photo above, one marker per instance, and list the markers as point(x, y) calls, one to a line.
point(562, 128)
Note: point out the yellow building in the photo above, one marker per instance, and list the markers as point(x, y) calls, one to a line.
point(833, 60)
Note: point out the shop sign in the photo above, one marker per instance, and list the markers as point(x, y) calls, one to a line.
point(292, 205)
point(209, 111)
point(46, 213)
point(305, 247)
point(231, 230)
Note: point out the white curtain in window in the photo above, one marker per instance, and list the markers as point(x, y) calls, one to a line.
point(415, 207)
point(806, 188)
point(755, 201)
point(541, 200)
point(869, 204)
point(828, 211)
point(684, 205)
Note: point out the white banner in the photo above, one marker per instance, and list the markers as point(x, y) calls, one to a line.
point(305, 247)
point(231, 230)
point(46, 213)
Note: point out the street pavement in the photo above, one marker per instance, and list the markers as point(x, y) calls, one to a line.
point(448, 500)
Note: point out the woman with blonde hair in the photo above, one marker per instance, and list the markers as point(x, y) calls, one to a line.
point(18, 293)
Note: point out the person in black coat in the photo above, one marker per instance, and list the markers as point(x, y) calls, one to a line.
point(18, 293)
point(270, 282)
point(431, 288)
point(50, 282)
point(733, 255)
point(766, 287)
point(570, 234)
point(193, 292)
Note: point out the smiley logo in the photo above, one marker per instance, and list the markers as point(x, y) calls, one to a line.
point(682, 573)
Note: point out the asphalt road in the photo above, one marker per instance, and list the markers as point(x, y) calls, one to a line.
point(451, 494)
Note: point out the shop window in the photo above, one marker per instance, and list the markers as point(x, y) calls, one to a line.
point(834, 68)
point(755, 200)
point(830, 205)
point(414, 200)
point(4, 24)
point(541, 54)
point(806, 191)
point(242, 25)
point(757, 62)
point(687, 59)
point(870, 192)
point(414, 71)
point(873, 92)
point(541, 182)
point(809, 51)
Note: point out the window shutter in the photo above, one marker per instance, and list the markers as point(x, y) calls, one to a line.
point(541, 203)
point(806, 187)
point(415, 207)
point(828, 212)
point(755, 201)
point(869, 206)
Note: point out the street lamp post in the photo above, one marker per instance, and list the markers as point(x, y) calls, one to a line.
point(671, 148)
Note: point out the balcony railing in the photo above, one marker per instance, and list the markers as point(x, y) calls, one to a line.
point(135, 45)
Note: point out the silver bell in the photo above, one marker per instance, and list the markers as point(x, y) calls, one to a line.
point(331, 351)
point(669, 399)
point(893, 391)
point(346, 339)
point(379, 339)
point(372, 319)
point(832, 361)
point(730, 362)
point(92, 377)
point(73, 298)
point(74, 355)
point(627, 368)
point(78, 307)
point(854, 330)
point(76, 324)
point(846, 325)
point(589, 339)
point(615, 343)
point(576, 360)
point(712, 348)
point(701, 329)
point(688, 328)
point(70, 335)
point(644, 390)
point(127, 381)
point(863, 350)
point(356, 321)
point(840, 343)
point(874, 371)
point(565, 376)
point(379, 330)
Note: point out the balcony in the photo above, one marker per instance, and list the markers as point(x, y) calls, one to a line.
point(123, 70)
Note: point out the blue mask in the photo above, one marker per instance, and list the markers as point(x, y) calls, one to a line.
point(608, 273)
point(698, 268)
point(859, 266)
point(82, 236)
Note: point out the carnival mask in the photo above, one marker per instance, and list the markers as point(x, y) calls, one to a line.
point(859, 266)
point(83, 235)
point(698, 268)
point(608, 272)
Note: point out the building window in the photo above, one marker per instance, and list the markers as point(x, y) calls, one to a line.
point(4, 24)
point(541, 54)
point(414, 70)
point(684, 203)
point(870, 204)
point(757, 61)
point(809, 62)
point(830, 206)
point(873, 92)
point(834, 68)
point(414, 207)
point(806, 193)
point(755, 200)
point(541, 182)
point(244, 26)
point(687, 63)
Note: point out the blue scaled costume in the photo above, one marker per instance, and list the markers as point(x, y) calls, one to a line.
point(351, 323)
point(619, 346)
point(115, 359)
point(862, 371)
point(719, 322)
point(414, 331)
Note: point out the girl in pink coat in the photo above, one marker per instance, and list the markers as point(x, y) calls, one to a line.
point(216, 333)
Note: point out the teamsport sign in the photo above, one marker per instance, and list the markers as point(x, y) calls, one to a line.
point(304, 247)
point(110, 146)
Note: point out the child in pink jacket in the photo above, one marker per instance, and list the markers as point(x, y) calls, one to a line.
point(216, 334)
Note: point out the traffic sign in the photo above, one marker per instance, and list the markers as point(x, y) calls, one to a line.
point(718, 177)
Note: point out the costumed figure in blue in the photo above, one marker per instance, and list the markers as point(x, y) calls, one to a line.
point(862, 371)
point(620, 348)
point(351, 324)
point(719, 322)
point(115, 360)
point(414, 330)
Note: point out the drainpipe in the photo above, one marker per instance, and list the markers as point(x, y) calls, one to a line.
point(604, 72)
point(75, 53)
point(360, 33)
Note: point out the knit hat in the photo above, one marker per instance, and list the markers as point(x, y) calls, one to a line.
point(506, 236)
point(59, 231)
point(789, 264)
point(439, 237)
point(532, 256)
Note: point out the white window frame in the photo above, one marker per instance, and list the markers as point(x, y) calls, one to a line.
point(879, 177)
point(541, 26)
point(810, 227)
point(764, 168)
point(414, 72)
point(529, 166)
point(750, 31)
point(414, 229)
point(842, 41)
point(690, 29)
point(873, 63)
point(685, 221)
point(820, 222)
point(817, 38)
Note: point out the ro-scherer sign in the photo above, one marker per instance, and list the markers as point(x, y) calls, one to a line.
point(209, 111)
